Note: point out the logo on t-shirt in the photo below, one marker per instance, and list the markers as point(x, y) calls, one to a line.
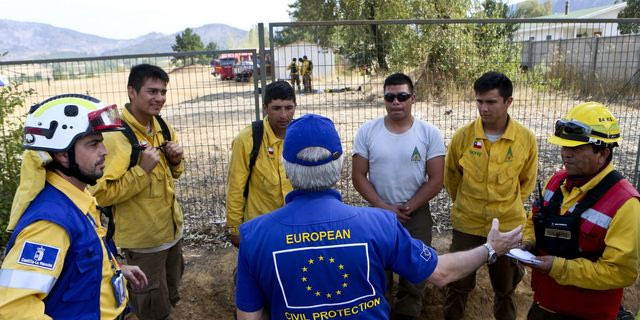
point(426, 253)
point(38, 255)
point(509, 156)
point(323, 276)
point(416, 155)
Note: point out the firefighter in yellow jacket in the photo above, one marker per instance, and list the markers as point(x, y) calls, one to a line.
point(585, 227)
point(58, 265)
point(147, 215)
point(253, 191)
point(490, 171)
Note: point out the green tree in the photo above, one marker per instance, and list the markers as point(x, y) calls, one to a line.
point(211, 46)
point(631, 11)
point(12, 97)
point(532, 9)
point(375, 46)
point(187, 41)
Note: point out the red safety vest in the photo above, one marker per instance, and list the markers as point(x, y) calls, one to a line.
point(574, 301)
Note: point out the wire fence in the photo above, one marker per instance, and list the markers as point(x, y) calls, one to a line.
point(554, 64)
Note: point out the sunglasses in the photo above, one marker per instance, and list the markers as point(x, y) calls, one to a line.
point(402, 96)
point(578, 131)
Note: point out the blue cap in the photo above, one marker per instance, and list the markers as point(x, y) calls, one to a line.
point(311, 130)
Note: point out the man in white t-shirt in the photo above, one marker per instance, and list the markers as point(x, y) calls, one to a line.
point(404, 159)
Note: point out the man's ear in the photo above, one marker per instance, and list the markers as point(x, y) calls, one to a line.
point(509, 101)
point(61, 157)
point(131, 92)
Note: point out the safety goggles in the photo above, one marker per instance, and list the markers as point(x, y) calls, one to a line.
point(578, 131)
point(105, 119)
point(402, 96)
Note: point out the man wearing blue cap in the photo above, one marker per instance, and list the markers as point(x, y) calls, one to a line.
point(318, 258)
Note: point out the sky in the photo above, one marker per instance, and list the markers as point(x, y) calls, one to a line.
point(127, 19)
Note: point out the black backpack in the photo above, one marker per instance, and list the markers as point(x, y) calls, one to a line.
point(257, 131)
point(294, 67)
point(135, 144)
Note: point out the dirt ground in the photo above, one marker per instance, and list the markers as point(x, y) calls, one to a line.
point(207, 289)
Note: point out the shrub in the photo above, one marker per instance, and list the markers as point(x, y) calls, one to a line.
point(12, 97)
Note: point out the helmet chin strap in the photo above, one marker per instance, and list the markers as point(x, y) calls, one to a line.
point(73, 170)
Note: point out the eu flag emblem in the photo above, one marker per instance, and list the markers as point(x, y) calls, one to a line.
point(324, 276)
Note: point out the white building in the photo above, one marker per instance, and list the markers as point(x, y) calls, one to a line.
point(323, 59)
point(559, 31)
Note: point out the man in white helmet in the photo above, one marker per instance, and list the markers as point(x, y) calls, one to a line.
point(57, 263)
point(585, 225)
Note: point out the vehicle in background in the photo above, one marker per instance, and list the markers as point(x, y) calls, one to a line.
point(243, 71)
point(227, 62)
point(215, 67)
point(226, 68)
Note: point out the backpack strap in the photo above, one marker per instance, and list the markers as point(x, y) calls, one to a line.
point(111, 229)
point(166, 134)
point(135, 145)
point(257, 131)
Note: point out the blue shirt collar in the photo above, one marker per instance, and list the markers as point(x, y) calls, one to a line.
point(327, 193)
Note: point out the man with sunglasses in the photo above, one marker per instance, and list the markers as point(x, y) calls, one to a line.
point(404, 159)
point(142, 197)
point(490, 171)
point(58, 264)
point(584, 227)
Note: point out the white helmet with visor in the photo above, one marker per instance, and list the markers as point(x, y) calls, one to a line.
point(56, 123)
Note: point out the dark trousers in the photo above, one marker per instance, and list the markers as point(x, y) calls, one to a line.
point(408, 300)
point(505, 274)
point(164, 271)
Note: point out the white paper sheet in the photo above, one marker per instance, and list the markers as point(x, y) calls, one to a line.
point(524, 256)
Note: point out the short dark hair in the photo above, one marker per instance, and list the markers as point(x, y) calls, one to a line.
point(142, 72)
point(601, 147)
point(494, 80)
point(279, 90)
point(398, 79)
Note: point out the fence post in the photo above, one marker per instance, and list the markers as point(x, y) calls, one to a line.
point(263, 63)
point(594, 61)
point(273, 69)
point(256, 93)
point(530, 56)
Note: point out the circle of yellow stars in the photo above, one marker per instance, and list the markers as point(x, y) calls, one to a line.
point(328, 295)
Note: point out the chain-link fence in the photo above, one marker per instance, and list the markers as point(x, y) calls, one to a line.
point(554, 65)
point(205, 110)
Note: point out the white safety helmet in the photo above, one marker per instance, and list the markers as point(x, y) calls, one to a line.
point(56, 123)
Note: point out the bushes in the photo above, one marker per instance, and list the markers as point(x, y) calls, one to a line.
point(12, 97)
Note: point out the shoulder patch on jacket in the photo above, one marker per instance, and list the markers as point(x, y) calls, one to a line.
point(38, 255)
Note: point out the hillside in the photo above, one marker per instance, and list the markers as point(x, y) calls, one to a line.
point(28, 40)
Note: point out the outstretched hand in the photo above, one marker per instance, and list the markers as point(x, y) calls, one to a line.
point(135, 276)
point(502, 242)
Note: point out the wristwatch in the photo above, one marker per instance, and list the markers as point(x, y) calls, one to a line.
point(493, 256)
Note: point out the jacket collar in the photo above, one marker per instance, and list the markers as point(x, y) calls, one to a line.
point(81, 198)
point(271, 136)
point(327, 193)
point(509, 132)
point(133, 122)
